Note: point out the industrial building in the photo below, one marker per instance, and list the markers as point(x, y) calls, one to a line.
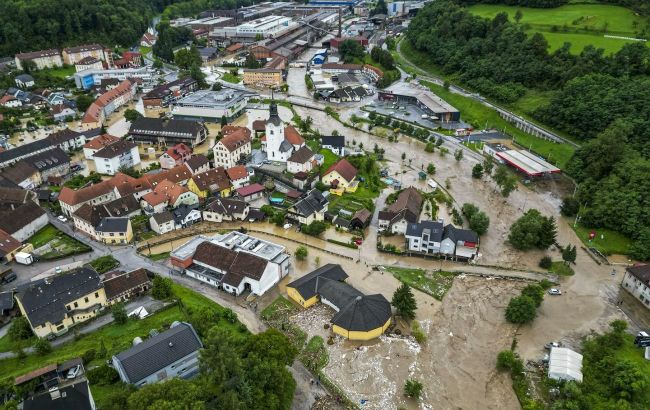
point(434, 106)
point(527, 163)
point(211, 106)
point(164, 131)
point(87, 79)
point(265, 27)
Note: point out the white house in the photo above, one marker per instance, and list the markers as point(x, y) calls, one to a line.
point(309, 208)
point(334, 143)
point(637, 281)
point(121, 154)
point(232, 148)
point(185, 216)
point(238, 176)
point(433, 237)
point(24, 81)
point(98, 143)
point(424, 237)
point(162, 222)
point(301, 160)
point(226, 209)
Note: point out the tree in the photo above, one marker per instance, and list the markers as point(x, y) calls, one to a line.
point(131, 115)
point(102, 352)
point(186, 58)
point(197, 74)
point(521, 309)
point(42, 346)
point(488, 165)
point(315, 228)
point(518, 16)
point(171, 394)
point(477, 171)
point(535, 292)
point(217, 86)
point(404, 302)
point(351, 50)
point(569, 254)
point(570, 206)
point(251, 62)
point(431, 169)
point(439, 142)
point(301, 253)
point(469, 210)
point(403, 156)
point(119, 313)
point(430, 147)
point(224, 121)
point(413, 388)
point(546, 262)
point(161, 288)
point(157, 64)
point(20, 329)
point(505, 180)
point(458, 154)
point(533, 230)
point(84, 101)
point(479, 223)
point(506, 360)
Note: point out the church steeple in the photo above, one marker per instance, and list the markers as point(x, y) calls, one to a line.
point(274, 118)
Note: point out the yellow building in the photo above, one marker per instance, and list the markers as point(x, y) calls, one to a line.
point(358, 316)
point(213, 181)
point(114, 231)
point(72, 55)
point(55, 304)
point(263, 77)
point(341, 176)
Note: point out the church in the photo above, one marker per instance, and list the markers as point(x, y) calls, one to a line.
point(281, 141)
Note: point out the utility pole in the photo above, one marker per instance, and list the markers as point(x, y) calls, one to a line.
point(339, 36)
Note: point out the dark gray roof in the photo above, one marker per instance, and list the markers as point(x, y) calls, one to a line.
point(75, 396)
point(339, 221)
point(19, 172)
point(458, 234)
point(159, 351)
point(24, 150)
point(49, 159)
point(285, 146)
point(339, 293)
point(44, 300)
point(310, 204)
point(24, 78)
point(434, 229)
point(162, 126)
point(227, 206)
point(306, 285)
point(115, 149)
point(64, 135)
point(113, 224)
point(196, 161)
point(363, 313)
point(333, 140)
point(163, 217)
point(6, 301)
point(274, 118)
point(182, 211)
point(301, 156)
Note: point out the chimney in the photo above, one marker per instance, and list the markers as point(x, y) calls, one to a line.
point(171, 344)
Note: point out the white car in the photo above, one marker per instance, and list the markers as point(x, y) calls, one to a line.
point(62, 218)
point(72, 373)
point(554, 291)
point(58, 269)
point(287, 226)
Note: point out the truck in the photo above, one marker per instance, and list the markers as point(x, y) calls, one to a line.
point(24, 258)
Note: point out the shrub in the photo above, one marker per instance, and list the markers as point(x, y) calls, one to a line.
point(301, 253)
point(507, 361)
point(545, 262)
point(119, 313)
point(545, 284)
point(88, 356)
point(162, 288)
point(535, 292)
point(20, 329)
point(103, 374)
point(418, 333)
point(413, 388)
point(521, 309)
point(42, 347)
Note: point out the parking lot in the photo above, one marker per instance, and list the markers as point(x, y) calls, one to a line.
point(411, 113)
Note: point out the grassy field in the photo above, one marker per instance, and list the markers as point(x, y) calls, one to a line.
point(61, 72)
point(330, 159)
point(231, 78)
point(62, 245)
point(116, 337)
point(611, 243)
point(562, 269)
point(158, 256)
point(277, 315)
point(104, 263)
point(433, 283)
point(479, 115)
point(578, 24)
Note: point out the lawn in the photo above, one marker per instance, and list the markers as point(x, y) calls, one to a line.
point(479, 116)
point(277, 315)
point(315, 355)
point(612, 242)
point(144, 50)
point(435, 283)
point(61, 72)
point(562, 269)
point(116, 337)
point(104, 263)
point(229, 77)
point(62, 245)
point(159, 256)
point(476, 146)
point(330, 159)
point(578, 24)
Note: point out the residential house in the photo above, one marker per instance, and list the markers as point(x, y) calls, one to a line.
point(67, 139)
point(107, 103)
point(238, 176)
point(424, 237)
point(165, 131)
point(119, 155)
point(234, 262)
point(73, 394)
point(232, 148)
point(9, 246)
point(148, 39)
point(88, 63)
point(52, 163)
point(10, 101)
point(24, 81)
point(162, 222)
point(186, 215)
point(14, 155)
point(226, 209)
point(61, 113)
point(172, 353)
point(301, 160)
point(263, 77)
point(22, 220)
point(176, 155)
point(55, 304)
point(88, 217)
point(168, 93)
point(167, 194)
point(213, 181)
point(459, 243)
point(432, 237)
point(357, 317)
point(637, 282)
point(312, 207)
point(114, 231)
point(71, 200)
point(341, 176)
point(334, 143)
point(197, 164)
point(23, 174)
point(361, 219)
point(251, 192)
point(71, 55)
point(122, 286)
point(406, 209)
point(41, 59)
point(97, 143)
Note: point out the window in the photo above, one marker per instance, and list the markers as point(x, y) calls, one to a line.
point(67, 307)
point(76, 304)
point(96, 295)
point(86, 299)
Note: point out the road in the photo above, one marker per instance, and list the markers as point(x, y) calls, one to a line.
point(459, 90)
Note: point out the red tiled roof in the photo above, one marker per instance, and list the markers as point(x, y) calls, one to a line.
point(250, 189)
point(344, 168)
point(259, 125)
point(101, 141)
point(93, 112)
point(237, 172)
point(215, 176)
point(236, 139)
point(178, 151)
point(293, 136)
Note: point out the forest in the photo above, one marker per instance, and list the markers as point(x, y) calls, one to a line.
point(600, 100)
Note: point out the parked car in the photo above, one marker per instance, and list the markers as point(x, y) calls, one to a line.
point(287, 226)
point(554, 291)
point(72, 373)
point(552, 344)
point(62, 218)
point(58, 269)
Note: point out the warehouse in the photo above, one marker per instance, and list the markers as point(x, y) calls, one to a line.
point(210, 106)
point(427, 101)
point(358, 316)
point(527, 163)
